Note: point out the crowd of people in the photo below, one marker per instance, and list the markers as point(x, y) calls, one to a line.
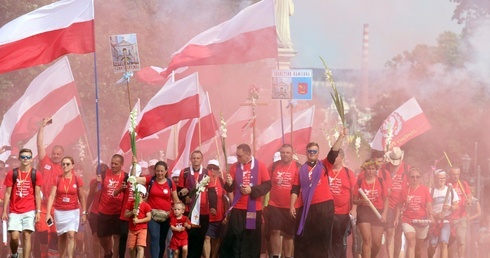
point(243, 209)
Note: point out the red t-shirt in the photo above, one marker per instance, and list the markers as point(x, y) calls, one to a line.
point(342, 186)
point(415, 203)
point(110, 204)
point(179, 235)
point(322, 191)
point(66, 197)
point(160, 195)
point(398, 182)
point(220, 209)
point(95, 202)
point(22, 198)
point(459, 188)
point(282, 181)
point(143, 210)
point(128, 196)
point(50, 171)
point(263, 176)
point(374, 191)
point(204, 206)
point(382, 173)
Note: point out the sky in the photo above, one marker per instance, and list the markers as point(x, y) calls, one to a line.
point(333, 29)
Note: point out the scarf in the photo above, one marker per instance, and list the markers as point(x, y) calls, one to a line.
point(308, 189)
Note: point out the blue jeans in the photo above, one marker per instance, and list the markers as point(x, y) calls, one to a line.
point(158, 233)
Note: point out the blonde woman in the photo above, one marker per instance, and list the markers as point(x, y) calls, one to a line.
point(66, 197)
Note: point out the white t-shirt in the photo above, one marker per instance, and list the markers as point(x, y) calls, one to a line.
point(438, 197)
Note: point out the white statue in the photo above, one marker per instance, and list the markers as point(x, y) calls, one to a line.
point(284, 9)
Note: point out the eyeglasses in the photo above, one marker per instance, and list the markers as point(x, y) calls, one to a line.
point(312, 151)
point(25, 157)
point(414, 177)
point(65, 164)
point(213, 168)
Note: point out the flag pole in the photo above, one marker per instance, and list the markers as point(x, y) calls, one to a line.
point(282, 121)
point(292, 122)
point(199, 105)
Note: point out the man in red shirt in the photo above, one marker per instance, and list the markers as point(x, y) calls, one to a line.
point(458, 217)
point(108, 222)
point(278, 218)
point(315, 200)
point(23, 201)
point(50, 167)
point(249, 180)
point(188, 179)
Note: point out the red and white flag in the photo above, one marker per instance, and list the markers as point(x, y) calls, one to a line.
point(41, 36)
point(405, 123)
point(250, 35)
point(271, 138)
point(46, 94)
point(195, 131)
point(66, 129)
point(176, 101)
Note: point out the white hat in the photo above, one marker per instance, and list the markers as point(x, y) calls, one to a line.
point(138, 169)
point(439, 171)
point(152, 162)
point(277, 156)
point(176, 173)
point(395, 156)
point(143, 164)
point(141, 188)
point(231, 160)
point(213, 162)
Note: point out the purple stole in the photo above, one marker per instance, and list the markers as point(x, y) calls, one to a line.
point(308, 189)
point(191, 182)
point(251, 205)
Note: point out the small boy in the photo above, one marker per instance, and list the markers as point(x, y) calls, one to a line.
point(179, 223)
point(138, 225)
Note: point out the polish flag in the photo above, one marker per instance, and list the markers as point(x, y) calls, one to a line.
point(176, 101)
point(151, 75)
point(41, 36)
point(46, 94)
point(250, 35)
point(271, 138)
point(194, 132)
point(66, 129)
point(405, 123)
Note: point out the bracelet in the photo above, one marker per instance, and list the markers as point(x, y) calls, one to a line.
point(38, 211)
point(84, 213)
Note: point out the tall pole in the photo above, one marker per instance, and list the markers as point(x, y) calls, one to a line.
point(365, 67)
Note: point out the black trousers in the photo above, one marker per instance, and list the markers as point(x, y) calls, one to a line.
point(339, 235)
point(196, 237)
point(240, 242)
point(315, 240)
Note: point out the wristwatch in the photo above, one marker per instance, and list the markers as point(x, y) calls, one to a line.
point(84, 213)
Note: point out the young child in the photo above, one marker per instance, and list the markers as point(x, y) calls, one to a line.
point(138, 225)
point(179, 223)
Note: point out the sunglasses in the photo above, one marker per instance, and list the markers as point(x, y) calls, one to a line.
point(25, 157)
point(65, 164)
point(414, 177)
point(312, 151)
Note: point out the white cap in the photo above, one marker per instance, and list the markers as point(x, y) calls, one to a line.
point(277, 156)
point(213, 162)
point(141, 188)
point(231, 160)
point(176, 173)
point(138, 169)
point(143, 164)
point(152, 162)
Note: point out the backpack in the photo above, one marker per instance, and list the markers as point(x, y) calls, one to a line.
point(359, 182)
point(153, 178)
point(15, 174)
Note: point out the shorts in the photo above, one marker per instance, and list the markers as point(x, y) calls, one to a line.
point(108, 225)
point(390, 219)
point(67, 221)
point(136, 238)
point(176, 244)
point(441, 236)
point(280, 219)
point(92, 222)
point(460, 230)
point(420, 232)
point(21, 221)
point(366, 215)
point(214, 229)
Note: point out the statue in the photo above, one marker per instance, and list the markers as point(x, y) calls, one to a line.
point(284, 9)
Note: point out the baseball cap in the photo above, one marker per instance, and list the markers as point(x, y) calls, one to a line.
point(176, 173)
point(213, 162)
point(152, 162)
point(141, 188)
point(231, 160)
point(143, 164)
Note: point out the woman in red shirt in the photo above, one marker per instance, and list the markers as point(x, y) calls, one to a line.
point(368, 222)
point(416, 206)
point(67, 196)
